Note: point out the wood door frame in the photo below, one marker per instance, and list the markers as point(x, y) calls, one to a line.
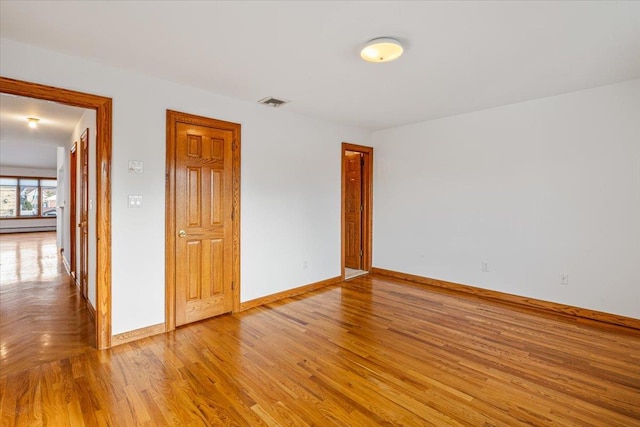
point(103, 108)
point(173, 118)
point(73, 217)
point(367, 191)
point(84, 214)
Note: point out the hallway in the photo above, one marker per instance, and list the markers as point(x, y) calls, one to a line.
point(43, 316)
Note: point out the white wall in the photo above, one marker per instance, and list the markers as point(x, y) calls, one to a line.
point(19, 171)
point(290, 181)
point(62, 218)
point(41, 155)
point(534, 189)
point(24, 225)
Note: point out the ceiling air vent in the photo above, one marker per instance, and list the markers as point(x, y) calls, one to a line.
point(272, 102)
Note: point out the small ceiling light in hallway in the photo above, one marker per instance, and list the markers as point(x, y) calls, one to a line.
point(33, 122)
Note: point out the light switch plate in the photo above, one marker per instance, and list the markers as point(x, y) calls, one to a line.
point(135, 201)
point(136, 166)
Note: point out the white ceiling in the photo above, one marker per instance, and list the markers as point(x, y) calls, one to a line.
point(459, 57)
point(21, 146)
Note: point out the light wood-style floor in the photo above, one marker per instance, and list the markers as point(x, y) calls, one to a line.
point(371, 351)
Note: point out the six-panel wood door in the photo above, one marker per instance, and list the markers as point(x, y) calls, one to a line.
point(353, 210)
point(203, 215)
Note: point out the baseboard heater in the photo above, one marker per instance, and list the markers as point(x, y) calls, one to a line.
point(27, 229)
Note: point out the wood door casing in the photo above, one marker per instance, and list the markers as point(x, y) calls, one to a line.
point(73, 216)
point(353, 210)
point(202, 221)
point(84, 213)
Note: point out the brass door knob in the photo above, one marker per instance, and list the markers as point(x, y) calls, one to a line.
point(182, 233)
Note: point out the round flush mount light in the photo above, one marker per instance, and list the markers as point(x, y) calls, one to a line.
point(382, 49)
point(33, 122)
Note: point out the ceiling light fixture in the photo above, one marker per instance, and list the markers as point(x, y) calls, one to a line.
point(273, 102)
point(33, 122)
point(382, 49)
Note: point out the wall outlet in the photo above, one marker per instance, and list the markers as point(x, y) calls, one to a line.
point(564, 279)
point(484, 267)
point(305, 265)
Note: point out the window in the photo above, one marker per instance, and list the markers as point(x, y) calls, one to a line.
point(49, 190)
point(8, 197)
point(22, 197)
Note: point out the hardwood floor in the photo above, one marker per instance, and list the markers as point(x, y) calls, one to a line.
point(43, 317)
point(371, 351)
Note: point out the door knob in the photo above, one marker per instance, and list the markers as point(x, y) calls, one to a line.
point(182, 233)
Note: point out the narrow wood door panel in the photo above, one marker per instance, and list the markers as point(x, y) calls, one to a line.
point(215, 185)
point(352, 247)
point(194, 267)
point(203, 222)
point(353, 210)
point(194, 196)
point(216, 266)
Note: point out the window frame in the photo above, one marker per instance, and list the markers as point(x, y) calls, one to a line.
point(40, 193)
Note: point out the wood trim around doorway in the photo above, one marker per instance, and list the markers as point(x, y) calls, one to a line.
point(174, 117)
point(103, 108)
point(367, 222)
point(73, 217)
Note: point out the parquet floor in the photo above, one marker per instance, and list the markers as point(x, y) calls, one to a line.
point(42, 315)
point(369, 352)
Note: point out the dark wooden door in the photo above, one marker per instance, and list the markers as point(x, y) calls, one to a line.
point(203, 221)
point(84, 213)
point(353, 210)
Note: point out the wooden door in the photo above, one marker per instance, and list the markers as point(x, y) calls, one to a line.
point(73, 179)
point(353, 210)
point(84, 212)
point(204, 200)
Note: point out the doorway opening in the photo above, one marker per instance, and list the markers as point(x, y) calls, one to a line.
point(102, 107)
point(357, 210)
